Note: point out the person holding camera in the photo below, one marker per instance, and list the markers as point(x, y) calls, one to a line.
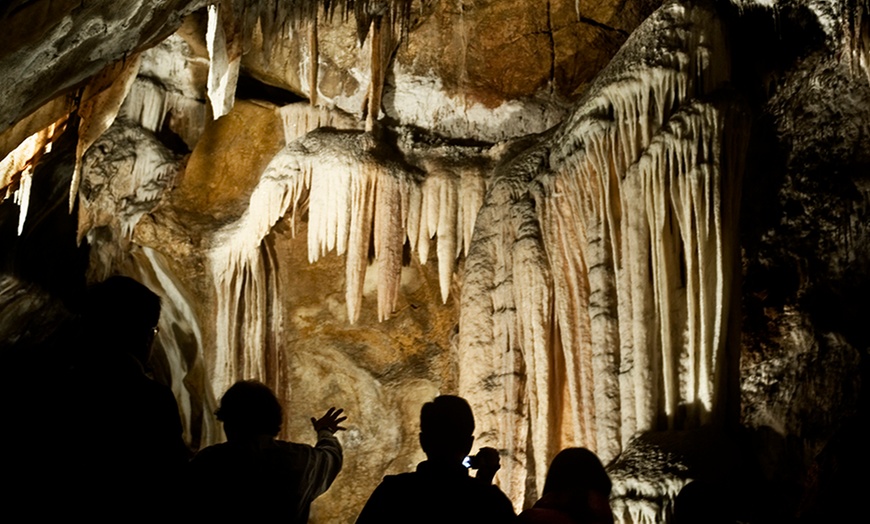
point(441, 489)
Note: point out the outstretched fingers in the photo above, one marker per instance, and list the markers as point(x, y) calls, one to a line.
point(330, 420)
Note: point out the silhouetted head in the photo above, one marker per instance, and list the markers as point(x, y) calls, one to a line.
point(701, 501)
point(578, 485)
point(249, 408)
point(446, 428)
point(577, 469)
point(124, 313)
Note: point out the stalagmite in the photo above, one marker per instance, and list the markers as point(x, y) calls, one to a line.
point(313, 58)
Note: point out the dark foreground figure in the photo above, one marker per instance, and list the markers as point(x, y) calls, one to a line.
point(441, 491)
point(577, 491)
point(117, 450)
point(253, 477)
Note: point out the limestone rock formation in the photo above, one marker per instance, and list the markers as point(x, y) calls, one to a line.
point(633, 226)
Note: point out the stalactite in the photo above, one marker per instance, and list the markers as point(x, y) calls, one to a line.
point(472, 187)
point(383, 43)
point(224, 55)
point(389, 236)
point(232, 23)
point(22, 197)
point(571, 291)
point(101, 100)
point(16, 169)
point(362, 204)
point(533, 298)
point(313, 60)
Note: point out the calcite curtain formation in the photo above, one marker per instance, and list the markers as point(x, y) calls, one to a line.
point(353, 195)
point(597, 291)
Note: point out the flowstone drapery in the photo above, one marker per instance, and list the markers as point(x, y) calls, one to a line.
point(597, 290)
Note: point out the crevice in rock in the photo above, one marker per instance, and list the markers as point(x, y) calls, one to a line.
point(596, 23)
point(250, 88)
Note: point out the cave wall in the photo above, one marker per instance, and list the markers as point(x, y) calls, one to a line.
point(604, 226)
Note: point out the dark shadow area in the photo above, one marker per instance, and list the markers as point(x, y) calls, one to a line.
point(250, 88)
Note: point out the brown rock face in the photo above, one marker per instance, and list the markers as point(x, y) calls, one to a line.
point(228, 159)
point(492, 51)
point(379, 372)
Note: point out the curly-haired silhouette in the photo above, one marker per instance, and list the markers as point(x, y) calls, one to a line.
point(256, 477)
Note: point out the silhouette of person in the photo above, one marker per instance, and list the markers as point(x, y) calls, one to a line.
point(123, 448)
point(577, 491)
point(441, 491)
point(702, 501)
point(256, 477)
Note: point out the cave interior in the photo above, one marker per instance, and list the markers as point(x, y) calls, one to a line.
point(636, 226)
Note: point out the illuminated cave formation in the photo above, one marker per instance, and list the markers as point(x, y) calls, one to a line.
point(365, 204)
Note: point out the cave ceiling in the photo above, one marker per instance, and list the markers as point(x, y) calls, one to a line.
point(596, 220)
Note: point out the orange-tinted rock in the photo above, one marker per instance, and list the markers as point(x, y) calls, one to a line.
point(228, 160)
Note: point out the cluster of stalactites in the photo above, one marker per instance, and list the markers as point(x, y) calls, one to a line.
point(16, 169)
point(230, 29)
point(275, 17)
point(357, 202)
point(232, 24)
point(597, 289)
point(150, 104)
point(647, 313)
point(300, 118)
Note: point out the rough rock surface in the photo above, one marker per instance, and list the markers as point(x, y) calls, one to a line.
point(71, 41)
point(486, 69)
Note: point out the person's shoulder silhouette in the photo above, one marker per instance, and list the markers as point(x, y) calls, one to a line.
point(440, 490)
point(124, 428)
point(254, 476)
